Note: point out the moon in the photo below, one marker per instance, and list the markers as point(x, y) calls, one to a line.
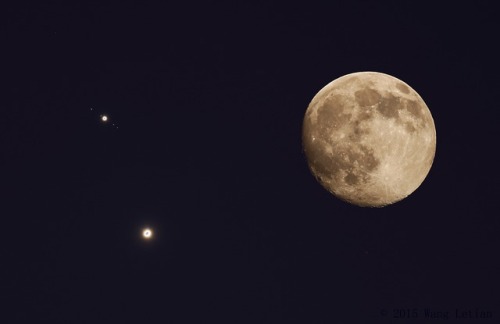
point(369, 139)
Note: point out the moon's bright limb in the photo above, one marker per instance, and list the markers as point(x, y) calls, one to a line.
point(147, 233)
point(369, 138)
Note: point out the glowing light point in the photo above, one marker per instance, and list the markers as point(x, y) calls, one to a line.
point(104, 118)
point(147, 233)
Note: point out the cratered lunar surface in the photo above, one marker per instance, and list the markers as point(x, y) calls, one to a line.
point(369, 139)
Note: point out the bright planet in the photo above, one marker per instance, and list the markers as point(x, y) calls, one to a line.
point(369, 139)
point(147, 233)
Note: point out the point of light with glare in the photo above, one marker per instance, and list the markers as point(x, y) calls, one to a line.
point(104, 118)
point(147, 233)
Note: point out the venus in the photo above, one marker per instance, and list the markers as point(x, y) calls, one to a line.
point(369, 139)
point(147, 233)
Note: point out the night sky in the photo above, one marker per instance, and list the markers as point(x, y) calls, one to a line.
point(208, 99)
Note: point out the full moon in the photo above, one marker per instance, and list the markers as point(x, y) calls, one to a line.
point(369, 139)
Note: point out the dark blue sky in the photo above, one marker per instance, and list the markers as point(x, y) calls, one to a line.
point(209, 100)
